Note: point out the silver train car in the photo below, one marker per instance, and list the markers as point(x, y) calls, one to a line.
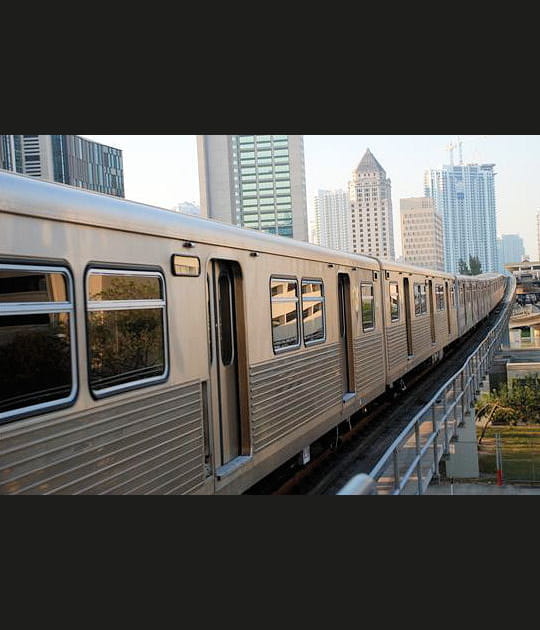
point(143, 351)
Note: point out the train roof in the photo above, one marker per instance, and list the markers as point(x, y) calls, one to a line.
point(390, 265)
point(25, 195)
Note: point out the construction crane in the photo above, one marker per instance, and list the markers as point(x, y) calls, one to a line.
point(450, 147)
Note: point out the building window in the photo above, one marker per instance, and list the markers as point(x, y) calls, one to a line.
point(285, 314)
point(127, 340)
point(37, 356)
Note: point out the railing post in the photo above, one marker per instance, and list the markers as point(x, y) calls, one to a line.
point(445, 417)
point(419, 463)
point(435, 442)
point(396, 469)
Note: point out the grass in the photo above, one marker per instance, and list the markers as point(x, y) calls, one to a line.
point(520, 452)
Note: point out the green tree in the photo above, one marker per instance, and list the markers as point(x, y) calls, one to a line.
point(475, 266)
point(518, 405)
point(463, 269)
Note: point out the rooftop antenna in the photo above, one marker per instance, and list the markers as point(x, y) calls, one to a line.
point(460, 143)
point(450, 148)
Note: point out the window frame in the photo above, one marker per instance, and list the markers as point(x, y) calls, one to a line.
point(393, 319)
point(321, 300)
point(423, 299)
point(284, 278)
point(121, 305)
point(440, 301)
point(374, 325)
point(39, 308)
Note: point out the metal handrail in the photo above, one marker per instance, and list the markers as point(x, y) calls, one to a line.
point(456, 397)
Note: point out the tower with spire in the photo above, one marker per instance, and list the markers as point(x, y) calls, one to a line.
point(370, 199)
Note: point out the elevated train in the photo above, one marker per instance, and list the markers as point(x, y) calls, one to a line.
point(146, 351)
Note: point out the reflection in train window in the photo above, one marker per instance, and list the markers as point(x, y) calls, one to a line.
point(420, 299)
point(313, 312)
point(439, 297)
point(37, 366)
point(285, 314)
point(368, 306)
point(126, 330)
point(394, 302)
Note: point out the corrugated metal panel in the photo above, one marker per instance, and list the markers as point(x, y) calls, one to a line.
point(396, 343)
point(148, 445)
point(289, 391)
point(421, 335)
point(369, 363)
point(396, 337)
point(441, 328)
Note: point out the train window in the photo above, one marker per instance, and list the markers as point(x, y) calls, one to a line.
point(439, 297)
point(126, 330)
point(285, 314)
point(368, 306)
point(313, 315)
point(37, 358)
point(226, 326)
point(420, 299)
point(453, 296)
point(186, 265)
point(394, 302)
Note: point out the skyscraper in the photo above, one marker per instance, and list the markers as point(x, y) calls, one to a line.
point(370, 197)
point(421, 233)
point(510, 249)
point(255, 181)
point(538, 233)
point(465, 197)
point(332, 219)
point(66, 159)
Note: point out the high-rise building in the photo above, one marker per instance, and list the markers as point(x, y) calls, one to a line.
point(421, 233)
point(255, 181)
point(538, 233)
point(465, 197)
point(370, 197)
point(510, 249)
point(66, 159)
point(7, 153)
point(187, 207)
point(332, 219)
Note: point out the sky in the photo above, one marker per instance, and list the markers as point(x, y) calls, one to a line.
point(162, 170)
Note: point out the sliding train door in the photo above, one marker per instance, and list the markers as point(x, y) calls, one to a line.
point(345, 333)
point(228, 364)
point(408, 316)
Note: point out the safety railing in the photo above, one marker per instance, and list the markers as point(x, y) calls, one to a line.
point(409, 464)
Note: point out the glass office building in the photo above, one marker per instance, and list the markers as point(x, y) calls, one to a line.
point(465, 197)
point(67, 159)
point(255, 181)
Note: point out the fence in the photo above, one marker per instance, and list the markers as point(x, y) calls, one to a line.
point(411, 461)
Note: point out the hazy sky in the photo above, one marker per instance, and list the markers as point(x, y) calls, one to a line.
point(163, 171)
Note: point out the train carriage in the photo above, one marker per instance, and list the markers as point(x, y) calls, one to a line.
point(145, 351)
point(420, 316)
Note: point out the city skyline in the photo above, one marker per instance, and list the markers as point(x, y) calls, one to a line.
point(163, 171)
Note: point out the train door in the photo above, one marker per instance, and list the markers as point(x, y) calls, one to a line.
point(431, 311)
point(345, 334)
point(408, 315)
point(447, 296)
point(228, 366)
